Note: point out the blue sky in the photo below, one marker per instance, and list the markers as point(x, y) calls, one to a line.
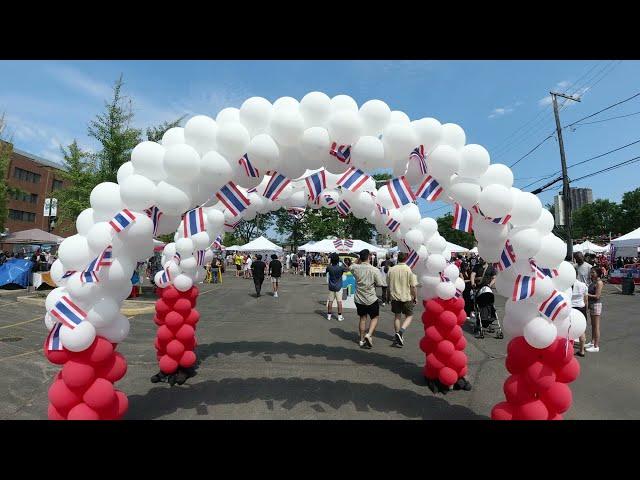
point(502, 105)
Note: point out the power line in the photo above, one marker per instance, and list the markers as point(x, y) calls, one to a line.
point(531, 151)
point(606, 119)
point(603, 110)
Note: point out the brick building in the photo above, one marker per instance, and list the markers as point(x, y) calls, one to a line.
point(38, 178)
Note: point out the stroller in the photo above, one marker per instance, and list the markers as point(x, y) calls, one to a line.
point(485, 313)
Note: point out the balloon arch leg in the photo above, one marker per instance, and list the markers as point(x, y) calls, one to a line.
point(204, 178)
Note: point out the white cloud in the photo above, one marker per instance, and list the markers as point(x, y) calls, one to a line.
point(79, 81)
point(560, 87)
point(502, 111)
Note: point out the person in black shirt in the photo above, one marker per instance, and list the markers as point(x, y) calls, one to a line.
point(275, 272)
point(258, 268)
point(483, 274)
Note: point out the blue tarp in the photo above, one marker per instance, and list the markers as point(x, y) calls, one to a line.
point(16, 271)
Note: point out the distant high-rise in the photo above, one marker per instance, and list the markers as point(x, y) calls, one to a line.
point(579, 198)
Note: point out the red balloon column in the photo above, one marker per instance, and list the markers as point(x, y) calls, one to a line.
point(83, 389)
point(175, 343)
point(537, 388)
point(443, 344)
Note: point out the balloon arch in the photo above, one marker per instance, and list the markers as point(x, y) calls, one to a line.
point(242, 164)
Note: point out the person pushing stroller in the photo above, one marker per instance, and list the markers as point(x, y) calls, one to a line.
point(483, 279)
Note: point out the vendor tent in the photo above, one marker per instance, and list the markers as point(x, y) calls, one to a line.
point(33, 236)
point(474, 250)
point(588, 247)
point(260, 244)
point(627, 245)
point(457, 248)
point(233, 248)
point(327, 246)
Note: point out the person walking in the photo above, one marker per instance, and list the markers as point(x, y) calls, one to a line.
point(247, 267)
point(402, 284)
point(367, 279)
point(583, 268)
point(258, 270)
point(465, 274)
point(334, 278)
point(594, 295)
point(275, 272)
point(237, 260)
point(385, 265)
point(579, 301)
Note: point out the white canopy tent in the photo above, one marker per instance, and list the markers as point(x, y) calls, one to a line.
point(474, 250)
point(232, 248)
point(260, 244)
point(627, 245)
point(589, 247)
point(456, 248)
point(327, 246)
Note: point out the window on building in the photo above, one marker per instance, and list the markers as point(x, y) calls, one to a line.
point(26, 175)
point(22, 216)
point(57, 184)
point(25, 197)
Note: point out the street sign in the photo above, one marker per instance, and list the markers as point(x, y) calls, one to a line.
point(50, 203)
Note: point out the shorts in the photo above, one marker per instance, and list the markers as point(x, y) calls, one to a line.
point(238, 267)
point(337, 296)
point(595, 308)
point(275, 280)
point(372, 310)
point(405, 308)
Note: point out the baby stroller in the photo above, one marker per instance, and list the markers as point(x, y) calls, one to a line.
point(485, 313)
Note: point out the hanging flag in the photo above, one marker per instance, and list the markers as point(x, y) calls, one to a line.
point(217, 244)
point(252, 190)
point(412, 259)
point(348, 243)
point(341, 152)
point(176, 258)
point(232, 198)
point(392, 225)
point(154, 214)
point(232, 225)
point(498, 220)
point(89, 275)
point(123, 219)
point(53, 339)
point(343, 208)
point(200, 257)
point(330, 201)
point(382, 210)
point(443, 278)
point(193, 222)
point(275, 186)
point(68, 312)
point(337, 243)
point(353, 179)
point(400, 191)
point(429, 189)
point(462, 219)
point(165, 278)
point(524, 288)
point(418, 155)
point(542, 272)
point(316, 183)
point(458, 293)
point(249, 169)
point(507, 257)
point(552, 306)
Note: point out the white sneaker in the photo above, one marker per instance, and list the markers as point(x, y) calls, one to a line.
point(588, 345)
point(329, 316)
point(275, 294)
point(361, 343)
point(592, 349)
point(340, 318)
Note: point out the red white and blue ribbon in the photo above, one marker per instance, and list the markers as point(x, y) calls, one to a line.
point(418, 155)
point(276, 185)
point(232, 198)
point(400, 192)
point(462, 219)
point(542, 272)
point(429, 189)
point(392, 225)
point(154, 214)
point(524, 288)
point(553, 305)
point(498, 220)
point(353, 179)
point(217, 244)
point(337, 243)
point(343, 208)
point(382, 210)
point(53, 339)
point(348, 243)
point(249, 169)
point(122, 220)
point(193, 222)
point(507, 257)
point(105, 259)
point(316, 183)
point(412, 259)
point(330, 201)
point(68, 312)
point(199, 256)
point(341, 152)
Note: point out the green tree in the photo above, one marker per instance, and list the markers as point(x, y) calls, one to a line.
point(154, 134)
point(452, 235)
point(285, 223)
point(5, 154)
point(80, 176)
point(597, 218)
point(630, 214)
point(248, 230)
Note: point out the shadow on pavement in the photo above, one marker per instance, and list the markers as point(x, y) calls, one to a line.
point(293, 391)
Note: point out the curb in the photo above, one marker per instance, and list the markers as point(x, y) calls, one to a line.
point(146, 307)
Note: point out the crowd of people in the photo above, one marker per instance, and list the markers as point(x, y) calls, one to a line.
point(41, 259)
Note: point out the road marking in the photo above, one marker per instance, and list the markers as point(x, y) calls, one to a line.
point(8, 303)
point(20, 355)
point(40, 317)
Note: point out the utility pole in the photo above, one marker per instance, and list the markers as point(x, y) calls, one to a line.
point(566, 193)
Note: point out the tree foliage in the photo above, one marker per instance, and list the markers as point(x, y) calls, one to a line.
point(154, 134)
point(598, 218)
point(5, 154)
point(630, 211)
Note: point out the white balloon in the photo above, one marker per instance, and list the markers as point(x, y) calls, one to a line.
point(343, 102)
point(182, 283)
point(495, 200)
point(526, 208)
point(400, 117)
point(263, 152)
point(526, 242)
point(255, 114)
point(578, 324)
point(105, 200)
point(138, 192)
point(117, 330)
point(79, 338)
point(452, 272)
point(411, 215)
point(435, 263)
point(429, 133)
point(446, 290)
point(171, 200)
point(287, 126)
point(545, 222)
point(215, 220)
point(103, 312)
point(399, 140)
point(125, 170)
point(74, 253)
point(100, 236)
point(465, 191)
point(233, 140)
point(443, 162)
point(147, 159)
point(315, 108)
point(428, 226)
point(414, 238)
point(85, 221)
point(217, 170)
point(200, 133)
point(286, 103)
point(185, 247)
point(228, 115)
point(201, 241)
point(539, 332)
point(182, 162)
point(345, 127)
point(57, 271)
point(173, 136)
point(551, 253)
point(375, 115)
point(54, 297)
point(497, 173)
point(474, 161)
point(453, 135)
point(314, 146)
point(566, 276)
point(436, 244)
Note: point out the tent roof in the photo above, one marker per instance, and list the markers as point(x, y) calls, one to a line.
point(456, 248)
point(589, 247)
point(260, 244)
point(327, 246)
point(34, 235)
point(631, 239)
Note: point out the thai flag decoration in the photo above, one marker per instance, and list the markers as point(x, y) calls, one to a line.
point(105, 259)
point(552, 306)
point(122, 220)
point(524, 288)
point(412, 259)
point(68, 312)
point(296, 212)
point(341, 152)
point(316, 183)
point(392, 225)
point(498, 220)
point(382, 210)
point(543, 272)
point(348, 243)
point(232, 225)
point(330, 201)
point(275, 186)
point(353, 179)
point(443, 278)
point(507, 257)
point(458, 293)
point(154, 214)
point(252, 190)
point(193, 222)
point(200, 257)
point(232, 198)
point(418, 155)
point(217, 244)
point(462, 219)
point(343, 208)
point(165, 278)
point(400, 191)
point(337, 243)
point(68, 273)
point(249, 169)
point(53, 340)
point(176, 258)
point(429, 189)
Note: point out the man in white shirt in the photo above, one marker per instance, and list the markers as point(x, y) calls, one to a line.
point(582, 268)
point(579, 302)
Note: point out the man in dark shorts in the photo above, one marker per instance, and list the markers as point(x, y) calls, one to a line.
point(275, 272)
point(258, 269)
point(367, 279)
point(334, 277)
point(402, 289)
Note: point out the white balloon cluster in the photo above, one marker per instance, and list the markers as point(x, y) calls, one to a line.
point(316, 138)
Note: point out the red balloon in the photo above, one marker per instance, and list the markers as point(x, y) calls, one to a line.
point(425, 344)
point(427, 320)
point(175, 349)
point(192, 318)
point(193, 293)
point(162, 308)
point(188, 359)
point(462, 317)
point(429, 372)
point(457, 360)
point(57, 357)
point(461, 344)
point(174, 320)
point(462, 372)
point(433, 308)
point(518, 347)
point(170, 295)
point(156, 343)
point(454, 334)
point(168, 365)
point(540, 376)
point(115, 369)
point(100, 350)
point(535, 410)
point(444, 350)
point(190, 344)
point(556, 355)
point(433, 334)
point(446, 321)
point(82, 411)
point(157, 320)
point(569, 372)
point(185, 333)
point(448, 376)
point(512, 365)
point(555, 416)
point(78, 375)
point(54, 414)
point(182, 306)
point(100, 394)
point(502, 411)
point(62, 397)
point(517, 390)
point(123, 404)
point(164, 335)
point(433, 362)
point(557, 397)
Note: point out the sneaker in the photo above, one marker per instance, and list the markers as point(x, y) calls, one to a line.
point(367, 341)
point(328, 316)
point(398, 339)
point(361, 343)
point(340, 318)
point(383, 304)
point(588, 345)
point(592, 349)
point(275, 294)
